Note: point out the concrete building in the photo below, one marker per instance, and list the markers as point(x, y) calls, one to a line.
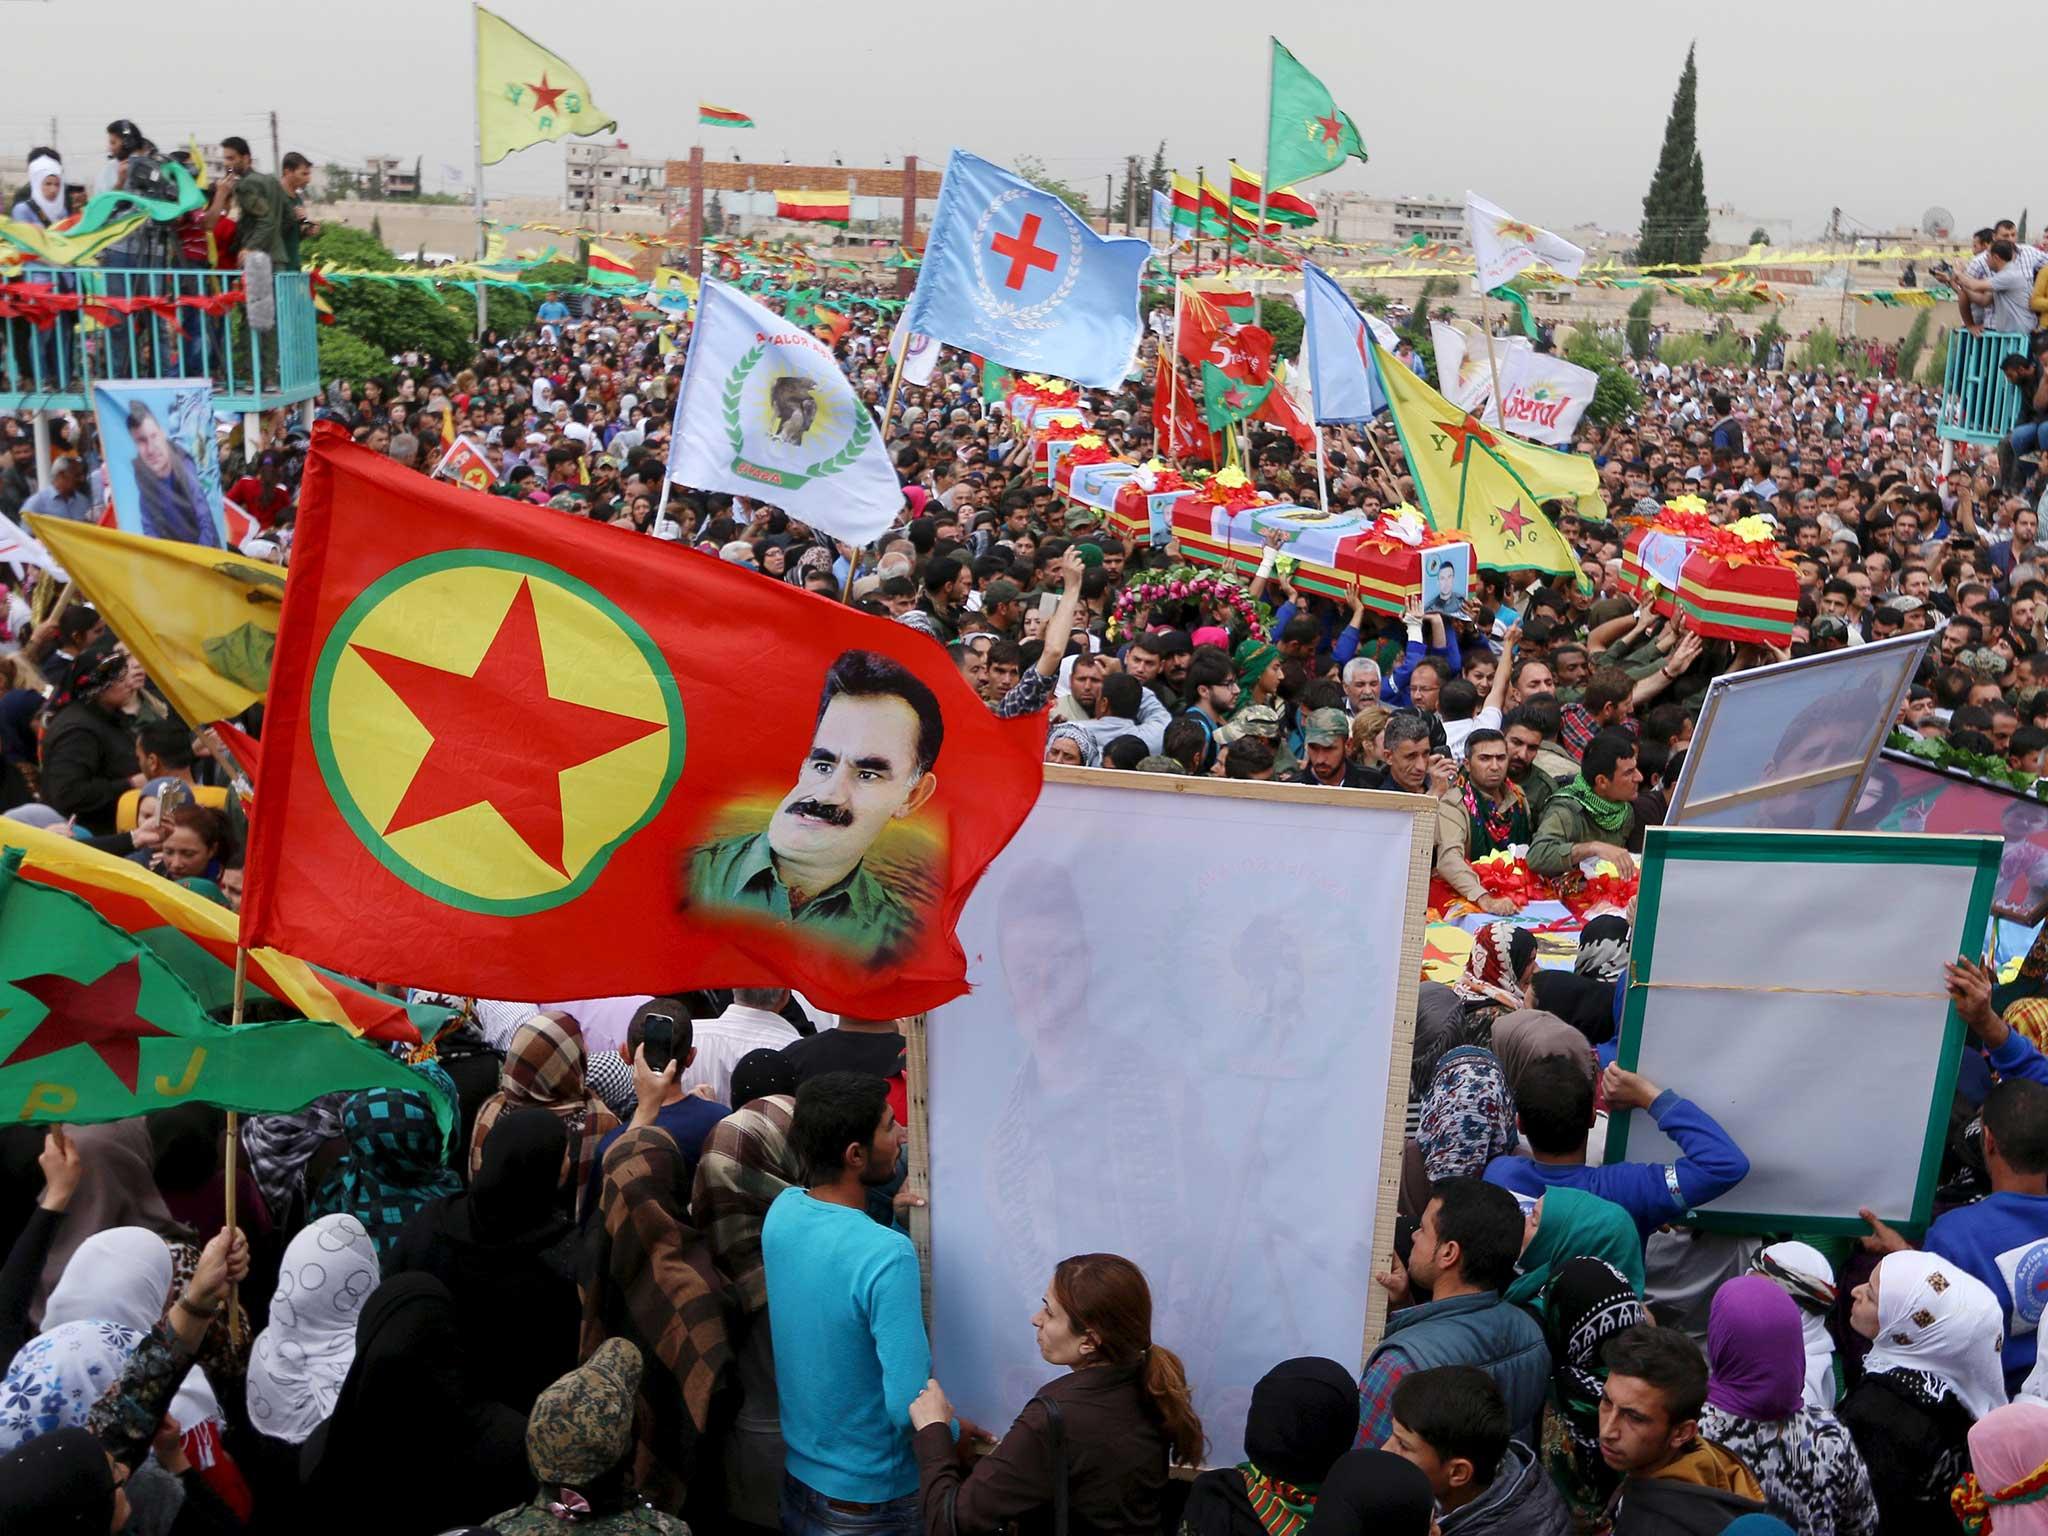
point(611, 176)
point(397, 176)
point(1360, 219)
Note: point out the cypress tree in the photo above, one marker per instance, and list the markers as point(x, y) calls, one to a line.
point(1158, 180)
point(1675, 208)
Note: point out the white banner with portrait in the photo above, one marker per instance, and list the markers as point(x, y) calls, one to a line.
point(1190, 1000)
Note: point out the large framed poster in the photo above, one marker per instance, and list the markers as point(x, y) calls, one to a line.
point(1807, 1018)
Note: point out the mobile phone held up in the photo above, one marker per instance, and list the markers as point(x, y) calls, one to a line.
point(658, 1040)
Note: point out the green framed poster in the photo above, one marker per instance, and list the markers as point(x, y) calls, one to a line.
point(1790, 985)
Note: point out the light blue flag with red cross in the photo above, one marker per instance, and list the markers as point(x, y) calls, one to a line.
point(1015, 274)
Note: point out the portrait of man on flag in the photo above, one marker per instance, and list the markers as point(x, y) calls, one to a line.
point(870, 770)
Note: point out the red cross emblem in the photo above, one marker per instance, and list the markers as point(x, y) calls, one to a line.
point(1023, 252)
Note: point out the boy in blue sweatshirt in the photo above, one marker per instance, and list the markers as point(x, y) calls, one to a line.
point(2003, 1238)
point(846, 1319)
point(1554, 1103)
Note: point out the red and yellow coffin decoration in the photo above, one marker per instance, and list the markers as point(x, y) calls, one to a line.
point(1731, 583)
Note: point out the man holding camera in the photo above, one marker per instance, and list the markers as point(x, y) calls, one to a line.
point(660, 1046)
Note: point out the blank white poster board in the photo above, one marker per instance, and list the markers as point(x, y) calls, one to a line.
point(1788, 745)
point(1192, 1001)
point(1807, 1018)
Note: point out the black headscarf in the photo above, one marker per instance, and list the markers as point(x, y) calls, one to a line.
point(1304, 1415)
point(407, 1391)
point(94, 669)
point(760, 1074)
point(1374, 1493)
point(507, 1257)
point(1584, 1002)
point(58, 1483)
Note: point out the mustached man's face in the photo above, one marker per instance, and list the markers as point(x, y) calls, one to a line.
point(152, 447)
point(860, 775)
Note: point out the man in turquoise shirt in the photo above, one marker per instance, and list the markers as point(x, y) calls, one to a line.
point(846, 1319)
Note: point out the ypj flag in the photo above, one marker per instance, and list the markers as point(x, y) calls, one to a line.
point(1306, 135)
point(1337, 340)
point(511, 753)
point(94, 1026)
point(1503, 245)
point(1473, 480)
point(1013, 273)
point(765, 412)
point(525, 94)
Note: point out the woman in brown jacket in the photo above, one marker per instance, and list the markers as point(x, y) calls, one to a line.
point(1105, 1431)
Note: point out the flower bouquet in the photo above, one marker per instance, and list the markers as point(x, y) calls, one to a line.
point(1218, 595)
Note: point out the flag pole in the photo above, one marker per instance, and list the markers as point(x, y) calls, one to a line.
point(1170, 359)
point(476, 56)
point(1265, 176)
point(1492, 363)
point(234, 1136)
point(1308, 347)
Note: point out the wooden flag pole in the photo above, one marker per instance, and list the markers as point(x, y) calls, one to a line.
point(1492, 363)
point(234, 1138)
point(483, 238)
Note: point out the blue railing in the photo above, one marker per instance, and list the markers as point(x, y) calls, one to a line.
point(1978, 403)
point(53, 367)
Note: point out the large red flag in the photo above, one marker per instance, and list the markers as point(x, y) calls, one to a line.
point(516, 754)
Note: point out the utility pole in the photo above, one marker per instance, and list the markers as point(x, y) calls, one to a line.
point(1108, 191)
point(276, 156)
point(1130, 193)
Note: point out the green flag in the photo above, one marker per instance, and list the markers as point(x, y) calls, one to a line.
point(94, 1026)
point(995, 382)
point(1307, 135)
point(1227, 401)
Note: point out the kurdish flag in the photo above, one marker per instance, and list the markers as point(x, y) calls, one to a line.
point(530, 754)
point(196, 938)
point(815, 207)
point(1283, 204)
point(203, 622)
point(722, 117)
point(610, 267)
point(1481, 483)
point(1306, 135)
point(525, 94)
point(94, 1026)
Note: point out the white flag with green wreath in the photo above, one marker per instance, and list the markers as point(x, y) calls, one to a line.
point(765, 412)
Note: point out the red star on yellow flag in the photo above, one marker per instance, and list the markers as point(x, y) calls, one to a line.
point(544, 95)
point(1513, 519)
point(1464, 432)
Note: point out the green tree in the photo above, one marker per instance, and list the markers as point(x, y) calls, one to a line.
point(1675, 207)
point(377, 228)
point(1638, 329)
point(338, 182)
point(1033, 170)
point(1915, 343)
point(1283, 323)
point(1821, 349)
point(338, 245)
point(345, 355)
point(1768, 335)
point(1936, 371)
point(1371, 300)
point(1759, 236)
point(1616, 394)
point(1159, 179)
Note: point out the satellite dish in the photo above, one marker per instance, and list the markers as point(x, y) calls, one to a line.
point(1937, 223)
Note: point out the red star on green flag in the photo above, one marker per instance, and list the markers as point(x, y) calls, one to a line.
point(1307, 133)
point(100, 1013)
point(475, 759)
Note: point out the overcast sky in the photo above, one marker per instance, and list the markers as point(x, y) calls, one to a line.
point(1554, 112)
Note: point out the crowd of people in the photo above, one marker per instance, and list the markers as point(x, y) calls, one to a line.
point(658, 1270)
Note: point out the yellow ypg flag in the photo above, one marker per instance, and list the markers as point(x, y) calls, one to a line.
point(203, 622)
point(1481, 482)
point(525, 94)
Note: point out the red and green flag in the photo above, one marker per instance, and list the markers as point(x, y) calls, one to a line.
point(95, 1026)
point(1226, 400)
point(1306, 135)
point(1283, 204)
point(722, 117)
point(996, 381)
point(509, 753)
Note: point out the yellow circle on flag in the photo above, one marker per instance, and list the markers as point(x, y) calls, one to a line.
point(493, 728)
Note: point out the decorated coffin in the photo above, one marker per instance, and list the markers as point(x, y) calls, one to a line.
point(1731, 582)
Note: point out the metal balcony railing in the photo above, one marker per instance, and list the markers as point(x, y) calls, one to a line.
point(1978, 405)
point(66, 327)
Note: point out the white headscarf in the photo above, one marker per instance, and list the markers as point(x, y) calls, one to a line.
point(111, 1293)
point(1936, 1318)
point(1814, 1291)
point(298, 1363)
point(41, 169)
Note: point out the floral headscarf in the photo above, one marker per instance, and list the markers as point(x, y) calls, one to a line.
point(1468, 1115)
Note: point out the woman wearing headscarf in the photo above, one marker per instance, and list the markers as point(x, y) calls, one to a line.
point(373, 1465)
point(506, 1254)
point(1802, 1272)
point(1072, 745)
point(648, 1277)
point(1586, 1303)
point(280, 1151)
point(579, 1443)
point(1304, 1415)
point(301, 1359)
point(1439, 1027)
point(89, 758)
point(2007, 1494)
point(111, 1293)
point(1496, 975)
point(544, 1069)
point(1933, 1370)
point(394, 1163)
point(1466, 1121)
point(1804, 1460)
point(1571, 1224)
point(746, 1162)
point(116, 1188)
point(1529, 1035)
point(1374, 1493)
